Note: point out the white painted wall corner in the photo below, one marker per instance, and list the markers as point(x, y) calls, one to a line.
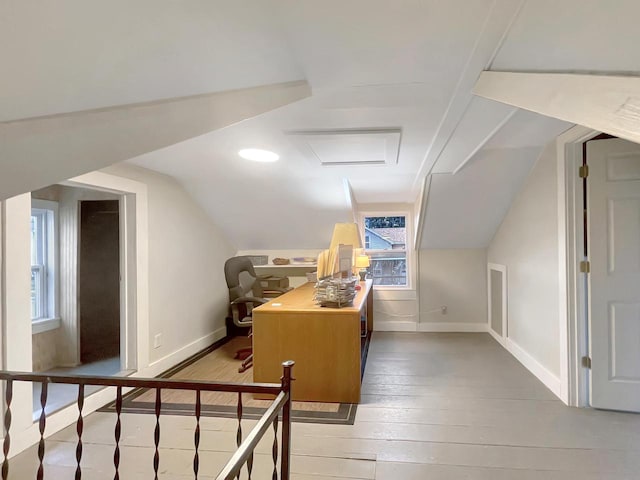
point(551, 381)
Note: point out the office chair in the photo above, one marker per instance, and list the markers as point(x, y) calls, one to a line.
point(245, 293)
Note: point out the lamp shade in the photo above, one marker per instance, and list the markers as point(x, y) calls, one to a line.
point(346, 234)
point(362, 261)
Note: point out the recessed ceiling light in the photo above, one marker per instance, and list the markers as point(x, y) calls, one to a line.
point(257, 155)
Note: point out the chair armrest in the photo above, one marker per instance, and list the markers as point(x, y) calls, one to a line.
point(249, 300)
point(236, 313)
point(277, 289)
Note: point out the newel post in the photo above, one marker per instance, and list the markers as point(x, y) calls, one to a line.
point(286, 419)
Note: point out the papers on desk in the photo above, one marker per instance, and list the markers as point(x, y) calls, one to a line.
point(340, 259)
point(335, 292)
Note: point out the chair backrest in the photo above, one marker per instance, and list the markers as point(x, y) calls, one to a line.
point(241, 278)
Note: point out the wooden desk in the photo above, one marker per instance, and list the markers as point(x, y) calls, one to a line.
point(324, 342)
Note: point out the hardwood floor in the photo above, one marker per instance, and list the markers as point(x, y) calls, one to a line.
point(434, 406)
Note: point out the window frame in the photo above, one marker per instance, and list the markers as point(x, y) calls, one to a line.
point(408, 250)
point(46, 264)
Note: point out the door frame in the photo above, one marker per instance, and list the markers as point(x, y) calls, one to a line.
point(134, 287)
point(573, 286)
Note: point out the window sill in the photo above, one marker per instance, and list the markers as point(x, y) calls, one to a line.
point(44, 325)
point(394, 287)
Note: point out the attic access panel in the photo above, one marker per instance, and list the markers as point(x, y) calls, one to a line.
point(380, 146)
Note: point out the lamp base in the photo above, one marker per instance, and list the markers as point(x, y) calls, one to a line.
point(363, 275)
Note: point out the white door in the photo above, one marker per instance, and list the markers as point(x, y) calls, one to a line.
point(614, 250)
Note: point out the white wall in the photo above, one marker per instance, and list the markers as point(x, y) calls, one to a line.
point(188, 295)
point(395, 310)
point(455, 279)
point(527, 243)
point(16, 301)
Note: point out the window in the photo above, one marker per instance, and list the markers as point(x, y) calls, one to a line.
point(43, 259)
point(386, 245)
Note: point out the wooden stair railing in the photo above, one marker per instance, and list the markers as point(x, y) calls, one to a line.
point(243, 456)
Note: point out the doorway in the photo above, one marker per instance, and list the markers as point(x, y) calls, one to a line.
point(77, 313)
point(99, 281)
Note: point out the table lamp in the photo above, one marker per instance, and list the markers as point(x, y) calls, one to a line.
point(362, 262)
point(346, 234)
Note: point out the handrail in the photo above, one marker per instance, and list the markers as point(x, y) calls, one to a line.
point(140, 382)
point(233, 467)
point(244, 454)
point(245, 450)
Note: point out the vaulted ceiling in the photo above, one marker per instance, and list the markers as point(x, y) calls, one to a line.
point(374, 66)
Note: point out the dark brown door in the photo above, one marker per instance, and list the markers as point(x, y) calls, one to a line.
point(99, 280)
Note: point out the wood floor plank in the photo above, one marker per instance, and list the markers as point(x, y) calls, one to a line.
point(458, 391)
point(475, 455)
point(418, 471)
point(533, 435)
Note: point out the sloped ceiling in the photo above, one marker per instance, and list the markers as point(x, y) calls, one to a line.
point(488, 184)
point(44, 150)
point(408, 65)
point(68, 56)
point(372, 65)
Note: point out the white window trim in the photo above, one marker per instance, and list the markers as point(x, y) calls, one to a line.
point(42, 325)
point(50, 320)
point(408, 222)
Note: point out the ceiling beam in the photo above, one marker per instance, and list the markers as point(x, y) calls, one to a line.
point(420, 208)
point(40, 151)
point(351, 199)
point(607, 103)
point(481, 122)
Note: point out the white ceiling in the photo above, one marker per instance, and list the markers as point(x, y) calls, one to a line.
point(573, 35)
point(72, 55)
point(372, 64)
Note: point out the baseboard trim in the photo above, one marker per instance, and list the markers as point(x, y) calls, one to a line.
point(394, 326)
point(551, 381)
point(165, 363)
point(430, 327)
point(496, 337)
point(452, 327)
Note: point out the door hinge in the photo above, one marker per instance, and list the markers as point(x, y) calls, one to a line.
point(585, 266)
point(586, 362)
point(583, 171)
